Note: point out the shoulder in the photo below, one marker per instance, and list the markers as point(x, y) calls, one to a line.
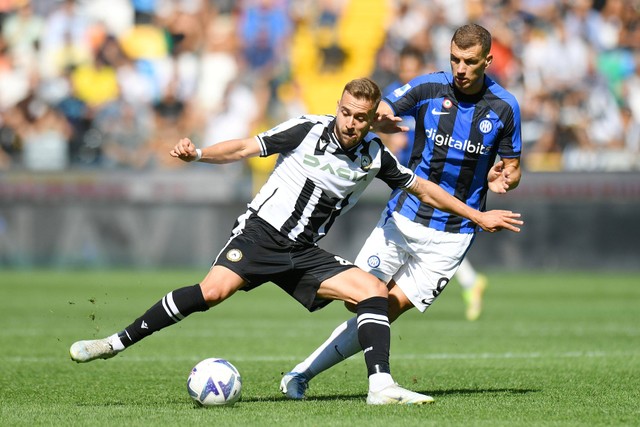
point(424, 84)
point(374, 148)
point(373, 142)
point(503, 102)
point(500, 93)
point(318, 118)
point(439, 77)
point(302, 123)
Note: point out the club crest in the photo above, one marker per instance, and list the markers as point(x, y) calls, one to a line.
point(485, 126)
point(234, 255)
point(373, 261)
point(365, 162)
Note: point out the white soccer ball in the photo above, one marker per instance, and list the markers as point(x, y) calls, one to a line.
point(214, 382)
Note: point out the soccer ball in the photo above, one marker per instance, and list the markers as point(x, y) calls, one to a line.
point(214, 382)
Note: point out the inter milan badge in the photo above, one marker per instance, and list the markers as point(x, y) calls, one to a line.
point(234, 255)
point(485, 126)
point(373, 261)
point(365, 162)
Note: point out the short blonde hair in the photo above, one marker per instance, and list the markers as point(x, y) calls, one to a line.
point(364, 88)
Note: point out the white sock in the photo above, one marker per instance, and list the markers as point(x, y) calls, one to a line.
point(379, 381)
point(115, 342)
point(466, 275)
point(342, 344)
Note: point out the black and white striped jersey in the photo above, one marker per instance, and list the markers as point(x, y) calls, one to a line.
point(315, 180)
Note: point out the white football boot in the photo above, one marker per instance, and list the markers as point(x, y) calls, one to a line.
point(86, 351)
point(396, 395)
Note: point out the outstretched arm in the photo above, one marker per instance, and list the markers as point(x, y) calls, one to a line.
point(504, 175)
point(223, 152)
point(490, 221)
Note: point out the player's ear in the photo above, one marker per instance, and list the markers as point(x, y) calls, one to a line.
point(488, 60)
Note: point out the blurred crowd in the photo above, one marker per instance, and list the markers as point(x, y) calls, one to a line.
point(114, 84)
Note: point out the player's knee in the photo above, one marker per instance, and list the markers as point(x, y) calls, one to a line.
point(373, 288)
point(214, 294)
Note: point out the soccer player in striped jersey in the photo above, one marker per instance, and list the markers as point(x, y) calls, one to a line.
point(324, 165)
point(464, 121)
point(411, 64)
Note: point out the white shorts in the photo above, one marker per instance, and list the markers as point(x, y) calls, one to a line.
point(419, 259)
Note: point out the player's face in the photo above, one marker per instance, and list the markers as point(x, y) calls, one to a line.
point(409, 68)
point(467, 67)
point(354, 118)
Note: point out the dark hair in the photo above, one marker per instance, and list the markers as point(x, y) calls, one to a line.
point(470, 35)
point(364, 88)
point(410, 51)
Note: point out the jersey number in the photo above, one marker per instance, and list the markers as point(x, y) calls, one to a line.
point(440, 287)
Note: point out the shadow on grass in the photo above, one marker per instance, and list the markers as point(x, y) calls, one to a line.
point(313, 398)
point(360, 397)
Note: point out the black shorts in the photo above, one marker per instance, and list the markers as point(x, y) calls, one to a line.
point(261, 254)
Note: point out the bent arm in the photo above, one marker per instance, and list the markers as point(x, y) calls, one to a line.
point(512, 172)
point(491, 221)
point(504, 175)
point(223, 152)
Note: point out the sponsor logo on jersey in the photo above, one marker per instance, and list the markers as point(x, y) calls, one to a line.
point(341, 172)
point(401, 90)
point(373, 261)
point(438, 113)
point(446, 140)
point(234, 255)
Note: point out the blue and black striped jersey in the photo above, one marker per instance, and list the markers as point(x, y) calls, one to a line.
point(457, 139)
point(315, 179)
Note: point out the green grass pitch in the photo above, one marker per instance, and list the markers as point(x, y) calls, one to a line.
point(556, 349)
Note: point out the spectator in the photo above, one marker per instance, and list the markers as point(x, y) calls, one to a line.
point(22, 31)
point(65, 40)
point(125, 129)
point(205, 45)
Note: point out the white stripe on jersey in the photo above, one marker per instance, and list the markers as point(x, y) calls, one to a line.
point(315, 180)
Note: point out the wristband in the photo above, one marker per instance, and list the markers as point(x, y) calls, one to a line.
point(198, 154)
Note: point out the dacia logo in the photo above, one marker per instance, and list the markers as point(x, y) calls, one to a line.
point(344, 173)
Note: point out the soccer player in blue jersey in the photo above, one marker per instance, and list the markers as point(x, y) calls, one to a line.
point(324, 165)
point(464, 121)
point(411, 64)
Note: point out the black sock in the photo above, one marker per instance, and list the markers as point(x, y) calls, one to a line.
point(172, 308)
point(374, 333)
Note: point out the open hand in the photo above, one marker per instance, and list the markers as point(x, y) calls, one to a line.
point(385, 123)
point(496, 220)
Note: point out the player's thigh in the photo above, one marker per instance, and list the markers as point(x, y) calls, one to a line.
point(430, 267)
point(383, 253)
point(352, 286)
